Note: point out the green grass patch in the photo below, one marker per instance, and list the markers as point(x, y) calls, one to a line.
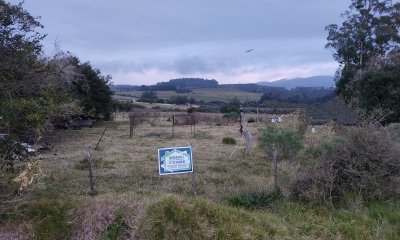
point(96, 163)
point(203, 135)
point(202, 94)
point(380, 220)
point(253, 200)
point(117, 229)
point(49, 218)
point(178, 218)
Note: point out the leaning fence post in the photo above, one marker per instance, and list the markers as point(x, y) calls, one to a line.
point(91, 182)
point(102, 135)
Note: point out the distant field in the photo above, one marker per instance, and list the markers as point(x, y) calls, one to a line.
point(206, 95)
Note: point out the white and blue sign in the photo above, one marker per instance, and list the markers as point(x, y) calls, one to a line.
point(175, 160)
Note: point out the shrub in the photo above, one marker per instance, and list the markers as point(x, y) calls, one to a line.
point(25, 118)
point(251, 120)
point(281, 145)
point(191, 110)
point(229, 140)
point(365, 165)
point(286, 143)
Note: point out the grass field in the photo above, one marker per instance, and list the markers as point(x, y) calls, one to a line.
point(206, 95)
point(233, 191)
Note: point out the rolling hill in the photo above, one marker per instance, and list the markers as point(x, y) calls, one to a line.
point(315, 81)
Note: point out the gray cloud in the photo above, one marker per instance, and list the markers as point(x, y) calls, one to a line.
point(191, 65)
point(197, 37)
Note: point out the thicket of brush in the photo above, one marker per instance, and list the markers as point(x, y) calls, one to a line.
point(361, 164)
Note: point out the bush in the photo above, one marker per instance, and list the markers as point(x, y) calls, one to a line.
point(251, 120)
point(24, 118)
point(229, 140)
point(286, 143)
point(365, 165)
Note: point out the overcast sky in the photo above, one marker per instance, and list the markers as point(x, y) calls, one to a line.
point(148, 41)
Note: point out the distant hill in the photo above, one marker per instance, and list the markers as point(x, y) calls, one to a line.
point(193, 83)
point(315, 81)
point(123, 87)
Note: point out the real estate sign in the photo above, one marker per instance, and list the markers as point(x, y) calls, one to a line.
point(175, 160)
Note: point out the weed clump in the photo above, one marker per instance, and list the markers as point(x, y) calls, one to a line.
point(229, 140)
point(116, 229)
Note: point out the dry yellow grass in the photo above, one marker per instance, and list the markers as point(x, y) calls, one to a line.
point(133, 202)
point(123, 164)
point(126, 170)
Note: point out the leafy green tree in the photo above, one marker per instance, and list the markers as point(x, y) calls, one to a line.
point(20, 67)
point(30, 94)
point(370, 30)
point(379, 88)
point(233, 106)
point(94, 91)
point(148, 96)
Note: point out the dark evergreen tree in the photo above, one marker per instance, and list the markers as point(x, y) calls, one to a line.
point(94, 91)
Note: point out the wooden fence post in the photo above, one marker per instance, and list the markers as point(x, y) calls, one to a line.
point(90, 165)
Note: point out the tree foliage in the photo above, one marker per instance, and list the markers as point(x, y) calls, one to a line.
point(233, 106)
point(20, 48)
point(148, 96)
point(94, 91)
point(37, 91)
point(370, 30)
point(380, 88)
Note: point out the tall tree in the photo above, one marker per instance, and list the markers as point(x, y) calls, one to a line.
point(370, 30)
point(94, 90)
point(379, 87)
point(21, 68)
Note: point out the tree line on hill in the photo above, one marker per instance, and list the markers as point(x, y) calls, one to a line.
point(306, 95)
point(180, 85)
point(38, 92)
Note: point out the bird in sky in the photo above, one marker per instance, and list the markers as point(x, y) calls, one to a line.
point(249, 50)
